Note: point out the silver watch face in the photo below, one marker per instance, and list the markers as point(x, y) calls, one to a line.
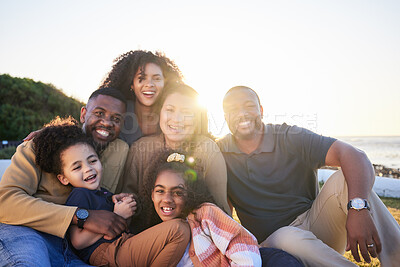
point(358, 203)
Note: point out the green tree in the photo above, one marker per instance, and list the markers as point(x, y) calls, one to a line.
point(26, 105)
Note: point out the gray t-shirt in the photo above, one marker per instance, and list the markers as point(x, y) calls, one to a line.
point(270, 187)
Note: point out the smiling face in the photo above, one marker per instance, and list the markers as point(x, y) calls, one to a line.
point(169, 195)
point(243, 113)
point(81, 167)
point(147, 84)
point(102, 118)
point(178, 119)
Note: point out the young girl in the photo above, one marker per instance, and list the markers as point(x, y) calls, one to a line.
point(61, 148)
point(174, 190)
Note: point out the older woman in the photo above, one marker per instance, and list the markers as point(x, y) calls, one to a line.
point(184, 127)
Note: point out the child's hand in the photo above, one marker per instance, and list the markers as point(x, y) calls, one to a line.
point(118, 197)
point(126, 207)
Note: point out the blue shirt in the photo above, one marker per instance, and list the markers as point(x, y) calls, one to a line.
point(92, 200)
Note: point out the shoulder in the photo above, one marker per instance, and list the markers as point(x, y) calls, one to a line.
point(115, 153)
point(205, 143)
point(295, 133)
point(148, 143)
point(81, 191)
point(24, 157)
point(285, 129)
point(119, 144)
point(209, 210)
point(150, 138)
point(224, 140)
point(209, 206)
point(26, 148)
point(226, 143)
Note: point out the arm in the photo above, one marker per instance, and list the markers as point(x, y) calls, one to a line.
point(82, 238)
point(236, 243)
point(216, 176)
point(103, 222)
point(360, 177)
point(31, 135)
point(22, 204)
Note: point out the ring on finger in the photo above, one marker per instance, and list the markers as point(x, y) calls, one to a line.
point(370, 245)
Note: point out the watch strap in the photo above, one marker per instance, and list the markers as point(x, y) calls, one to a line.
point(81, 222)
point(81, 215)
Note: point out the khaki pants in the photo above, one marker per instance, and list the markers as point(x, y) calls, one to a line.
point(318, 236)
point(160, 245)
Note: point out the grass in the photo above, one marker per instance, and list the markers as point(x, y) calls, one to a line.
point(393, 205)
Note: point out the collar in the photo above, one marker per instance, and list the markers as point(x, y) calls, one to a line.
point(267, 142)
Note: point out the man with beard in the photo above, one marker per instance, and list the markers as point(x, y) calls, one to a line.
point(32, 199)
point(272, 183)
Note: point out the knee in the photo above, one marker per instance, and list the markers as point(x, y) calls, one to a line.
point(179, 228)
point(337, 178)
point(336, 184)
point(286, 238)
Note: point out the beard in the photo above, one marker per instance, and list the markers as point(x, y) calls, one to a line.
point(99, 146)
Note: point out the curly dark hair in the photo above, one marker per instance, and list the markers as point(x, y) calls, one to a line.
point(127, 65)
point(196, 189)
point(54, 138)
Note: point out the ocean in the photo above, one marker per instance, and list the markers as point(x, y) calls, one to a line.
point(383, 150)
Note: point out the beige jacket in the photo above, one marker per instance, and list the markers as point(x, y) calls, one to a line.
point(33, 198)
point(211, 161)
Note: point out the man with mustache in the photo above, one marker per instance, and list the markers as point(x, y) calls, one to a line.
point(273, 186)
point(32, 199)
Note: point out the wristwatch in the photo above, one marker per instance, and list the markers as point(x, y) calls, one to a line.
point(358, 204)
point(82, 215)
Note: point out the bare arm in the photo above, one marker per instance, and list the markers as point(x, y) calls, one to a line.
point(20, 204)
point(100, 223)
point(356, 167)
point(31, 135)
point(82, 238)
point(103, 222)
point(360, 177)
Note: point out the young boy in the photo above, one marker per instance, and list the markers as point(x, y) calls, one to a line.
point(62, 149)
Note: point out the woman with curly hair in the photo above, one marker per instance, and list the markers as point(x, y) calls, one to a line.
point(184, 126)
point(175, 190)
point(63, 149)
point(141, 76)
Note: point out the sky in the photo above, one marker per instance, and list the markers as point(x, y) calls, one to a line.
point(330, 66)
